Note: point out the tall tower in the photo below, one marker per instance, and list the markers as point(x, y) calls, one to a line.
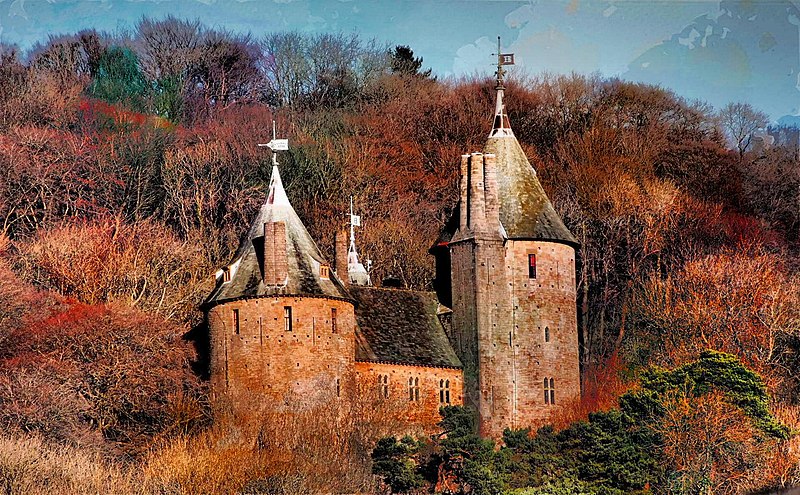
point(512, 286)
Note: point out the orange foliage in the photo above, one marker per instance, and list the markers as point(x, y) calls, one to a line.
point(602, 387)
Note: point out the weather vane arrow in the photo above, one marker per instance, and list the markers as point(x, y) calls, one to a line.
point(275, 144)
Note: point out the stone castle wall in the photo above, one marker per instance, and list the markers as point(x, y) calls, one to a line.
point(414, 392)
point(311, 363)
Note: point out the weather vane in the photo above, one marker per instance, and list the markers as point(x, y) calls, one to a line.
point(502, 59)
point(276, 145)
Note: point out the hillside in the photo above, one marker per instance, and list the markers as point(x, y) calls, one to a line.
point(129, 168)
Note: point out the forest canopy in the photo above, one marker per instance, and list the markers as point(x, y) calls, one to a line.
point(129, 169)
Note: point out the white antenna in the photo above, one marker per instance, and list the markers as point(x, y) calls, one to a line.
point(276, 145)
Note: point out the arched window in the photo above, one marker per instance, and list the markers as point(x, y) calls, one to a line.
point(547, 334)
point(236, 321)
point(413, 389)
point(338, 388)
point(333, 320)
point(549, 391)
point(287, 318)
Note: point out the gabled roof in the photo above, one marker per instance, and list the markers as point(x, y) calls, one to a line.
point(401, 327)
point(303, 257)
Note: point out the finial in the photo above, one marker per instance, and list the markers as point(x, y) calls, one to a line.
point(501, 126)
point(277, 195)
point(275, 145)
point(358, 274)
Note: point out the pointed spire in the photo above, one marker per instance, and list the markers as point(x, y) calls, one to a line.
point(277, 194)
point(501, 126)
point(357, 274)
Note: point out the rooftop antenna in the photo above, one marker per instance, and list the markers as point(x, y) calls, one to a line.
point(501, 126)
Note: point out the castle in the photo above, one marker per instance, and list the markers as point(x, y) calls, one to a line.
point(499, 334)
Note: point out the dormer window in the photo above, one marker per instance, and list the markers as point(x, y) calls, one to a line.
point(324, 271)
point(226, 274)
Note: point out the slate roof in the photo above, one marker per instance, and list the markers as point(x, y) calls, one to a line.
point(525, 210)
point(303, 256)
point(401, 327)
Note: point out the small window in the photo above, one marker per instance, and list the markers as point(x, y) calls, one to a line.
point(333, 320)
point(549, 391)
point(338, 388)
point(547, 334)
point(236, 321)
point(324, 271)
point(383, 386)
point(287, 318)
point(444, 391)
point(226, 274)
point(413, 389)
point(531, 266)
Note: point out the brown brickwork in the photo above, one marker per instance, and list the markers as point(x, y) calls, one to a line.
point(423, 410)
point(500, 313)
point(276, 268)
point(265, 360)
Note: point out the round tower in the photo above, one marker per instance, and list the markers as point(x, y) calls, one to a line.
point(281, 324)
point(511, 263)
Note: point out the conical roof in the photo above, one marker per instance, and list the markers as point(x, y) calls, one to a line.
point(303, 257)
point(525, 210)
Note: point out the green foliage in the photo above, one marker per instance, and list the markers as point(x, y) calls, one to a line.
point(118, 78)
point(168, 98)
point(713, 371)
point(402, 61)
point(612, 453)
point(392, 461)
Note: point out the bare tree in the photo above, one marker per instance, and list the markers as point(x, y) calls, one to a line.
point(740, 122)
point(166, 47)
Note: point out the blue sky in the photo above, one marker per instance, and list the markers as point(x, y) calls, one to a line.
point(718, 51)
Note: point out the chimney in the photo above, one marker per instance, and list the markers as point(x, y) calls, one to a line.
point(464, 187)
point(276, 265)
point(477, 204)
point(340, 257)
point(492, 200)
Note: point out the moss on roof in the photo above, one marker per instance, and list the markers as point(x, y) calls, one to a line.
point(303, 257)
point(402, 327)
point(525, 210)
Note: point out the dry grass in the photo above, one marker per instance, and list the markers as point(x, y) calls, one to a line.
point(300, 449)
point(28, 465)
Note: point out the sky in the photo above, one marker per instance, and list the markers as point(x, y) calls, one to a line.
point(716, 51)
